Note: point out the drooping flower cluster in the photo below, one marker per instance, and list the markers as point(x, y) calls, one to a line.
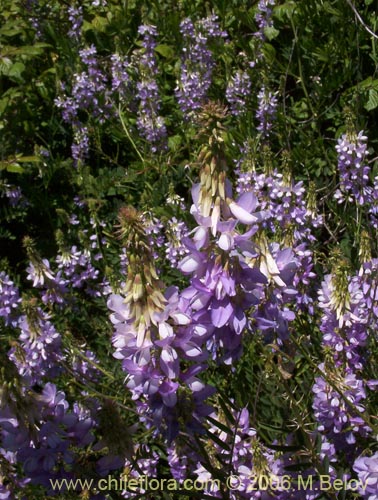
point(353, 169)
point(373, 208)
point(263, 17)
point(339, 395)
point(89, 97)
point(266, 111)
point(145, 465)
point(154, 232)
point(75, 270)
point(121, 80)
point(80, 145)
point(367, 471)
point(176, 232)
point(9, 300)
point(273, 314)
point(246, 457)
point(222, 283)
point(49, 440)
point(85, 367)
point(54, 286)
point(368, 284)
point(290, 211)
point(150, 123)
point(237, 92)
point(75, 16)
point(290, 215)
point(39, 353)
point(38, 431)
point(60, 431)
point(154, 334)
point(231, 274)
point(197, 63)
point(89, 86)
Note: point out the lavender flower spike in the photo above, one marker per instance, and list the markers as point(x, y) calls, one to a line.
point(367, 471)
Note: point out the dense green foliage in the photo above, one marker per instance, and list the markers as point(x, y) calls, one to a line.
point(319, 58)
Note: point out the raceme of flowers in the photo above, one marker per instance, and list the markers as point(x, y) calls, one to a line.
point(353, 169)
point(197, 63)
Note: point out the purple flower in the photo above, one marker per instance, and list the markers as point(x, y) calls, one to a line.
point(367, 471)
point(372, 199)
point(367, 278)
point(75, 16)
point(263, 17)
point(89, 97)
point(9, 300)
point(120, 77)
point(266, 112)
point(176, 231)
point(345, 329)
point(243, 453)
point(145, 466)
point(78, 271)
point(150, 123)
point(39, 272)
point(40, 355)
point(80, 146)
point(85, 367)
point(152, 358)
point(237, 92)
point(196, 63)
point(353, 169)
point(14, 195)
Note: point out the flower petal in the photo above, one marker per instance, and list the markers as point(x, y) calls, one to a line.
point(241, 214)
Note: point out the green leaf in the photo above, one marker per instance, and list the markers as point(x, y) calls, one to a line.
point(11, 166)
point(5, 65)
point(283, 448)
point(247, 18)
point(99, 23)
point(11, 28)
point(217, 440)
point(220, 426)
point(28, 159)
point(174, 142)
point(16, 70)
point(321, 54)
point(329, 9)
point(284, 11)
point(15, 168)
point(271, 32)
point(269, 53)
point(165, 51)
point(372, 102)
point(346, 246)
point(26, 50)
point(367, 84)
point(225, 408)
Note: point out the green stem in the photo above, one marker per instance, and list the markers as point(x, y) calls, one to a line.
point(128, 135)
